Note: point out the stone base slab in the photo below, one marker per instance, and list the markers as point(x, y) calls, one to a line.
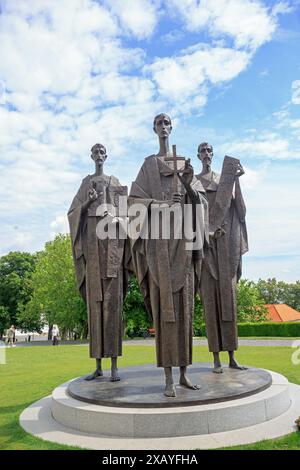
point(171, 422)
point(38, 421)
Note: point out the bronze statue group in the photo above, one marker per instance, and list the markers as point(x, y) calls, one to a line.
point(169, 274)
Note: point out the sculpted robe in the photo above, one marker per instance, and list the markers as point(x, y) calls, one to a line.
point(101, 277)
point(164, 267)
point(222, 268)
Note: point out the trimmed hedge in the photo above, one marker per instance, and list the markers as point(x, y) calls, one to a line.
point(284, 329)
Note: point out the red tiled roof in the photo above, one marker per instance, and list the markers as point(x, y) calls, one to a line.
point(282, 312)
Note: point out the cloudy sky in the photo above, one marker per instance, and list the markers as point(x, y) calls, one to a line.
point(77, 72)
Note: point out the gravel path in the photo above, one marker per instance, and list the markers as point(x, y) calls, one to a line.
point(242, 342)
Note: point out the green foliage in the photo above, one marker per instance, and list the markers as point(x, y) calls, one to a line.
point(250, 305)
point(29, 316)
point(16, 270)
point(265, 329)
point(40, 289)
point(198, 316)
point(55, 296)
point(4, 320)
point(282, 329)
point(277, 292)
point(136, 319)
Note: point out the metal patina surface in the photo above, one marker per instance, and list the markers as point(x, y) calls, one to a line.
point(141, 387)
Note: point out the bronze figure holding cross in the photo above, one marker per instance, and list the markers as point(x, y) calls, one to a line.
point(164, 267)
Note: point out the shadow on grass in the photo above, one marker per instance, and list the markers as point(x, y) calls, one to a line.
point(14, 409)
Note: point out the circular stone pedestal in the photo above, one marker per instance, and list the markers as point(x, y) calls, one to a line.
point(143, 387)
point(135, 407)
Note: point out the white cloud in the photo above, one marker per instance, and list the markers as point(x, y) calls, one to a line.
point(173, 36)
point(185, 76)
point(264, 73)
point(282, 7)
point(266, 267)
point(71, 76)
point(296, 92)
point(15, 238)
point(271, 207)
point(267, 145)
point(56, 50)
point(288, 124)
point(295, 123)
point(59, 225)
point(137, 17)
point(248, 22)
point(252, 178)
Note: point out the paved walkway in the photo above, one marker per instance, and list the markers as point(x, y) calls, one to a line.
point(150, 342)
point(242, 342)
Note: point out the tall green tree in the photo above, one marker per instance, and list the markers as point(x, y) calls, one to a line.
point(136, 319)
point(277, 292)
point(250, 304)
point(293, 296)
point(55, 296)
point(271, 291)
point(16, 270)
point(4, 320)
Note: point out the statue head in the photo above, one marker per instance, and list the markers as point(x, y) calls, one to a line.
point(205, 152)
point(98, 153)
point(162, 125)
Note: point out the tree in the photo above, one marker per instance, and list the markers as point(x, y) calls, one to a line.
point(271, 291)
point(16, 270)
point(4, 320)
point(136, 319)
point(198, 316)
point(278, 292)
point(293, 296)
point(55, 296)
point(250, 305)
point(29, 316)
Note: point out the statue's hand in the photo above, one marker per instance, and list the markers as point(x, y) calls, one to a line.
point(188, 174)
point(219, 232)
point(176, 197)
point(240, 171)
point(93, 195)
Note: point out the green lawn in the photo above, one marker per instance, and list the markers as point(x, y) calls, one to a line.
point(32, 372)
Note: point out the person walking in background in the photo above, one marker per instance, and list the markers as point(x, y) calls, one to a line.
point(11, 333)
point(55, 335)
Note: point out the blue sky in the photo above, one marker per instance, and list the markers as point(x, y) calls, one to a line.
point(77, 72)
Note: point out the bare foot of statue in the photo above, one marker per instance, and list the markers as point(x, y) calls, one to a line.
point(217, 364)
point(217, 369)
point(114, 376)
point(233, 364)
point(94, 375)
point(114, 370)
point(185, 382)
point(170, 390)
point(98, 372)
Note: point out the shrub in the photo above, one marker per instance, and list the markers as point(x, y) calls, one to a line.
point(285, 329)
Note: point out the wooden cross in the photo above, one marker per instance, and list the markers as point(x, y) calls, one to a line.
point(175, 159)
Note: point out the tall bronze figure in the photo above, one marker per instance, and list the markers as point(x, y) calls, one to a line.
point(164, 267)
point(99, 263)
point(222, 264)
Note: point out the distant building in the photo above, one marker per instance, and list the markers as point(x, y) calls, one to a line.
point(282, 313)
